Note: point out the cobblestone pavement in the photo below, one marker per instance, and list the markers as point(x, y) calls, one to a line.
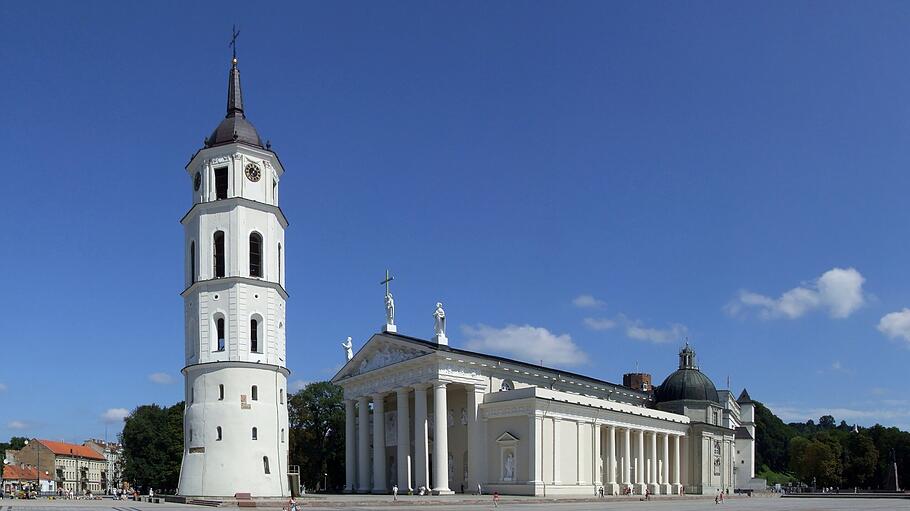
point(474, 503)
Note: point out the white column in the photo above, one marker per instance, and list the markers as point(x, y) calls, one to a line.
point(579, 469)
point(363, 445)
point(404, 441)
point(421, 451)
point(640, 469)
point(379, 462)
point(627, 455)
point(676, 453)
point(440, 440)
point(598, 455)
point(611, 458)
point(535, 450)
point(655, 488)
point(665, 463)
point(476, 448)
point(554, 452)
point(350, 452)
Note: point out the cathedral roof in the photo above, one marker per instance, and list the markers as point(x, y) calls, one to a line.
point(744, 398)
point(234, 127)
point(687, 382)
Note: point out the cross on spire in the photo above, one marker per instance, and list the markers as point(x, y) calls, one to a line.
point(233, 44)
point(388, 278)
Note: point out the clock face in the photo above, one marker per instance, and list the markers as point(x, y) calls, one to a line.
point(252, 172)
point(196, 182)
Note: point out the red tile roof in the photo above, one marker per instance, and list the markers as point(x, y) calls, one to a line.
point(65, 449)
point(16, 473)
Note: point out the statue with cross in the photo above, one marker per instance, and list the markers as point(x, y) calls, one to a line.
point(233, 43)
point(389, 303)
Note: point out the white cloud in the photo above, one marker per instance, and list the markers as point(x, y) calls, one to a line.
point(599, 323)
point(114, 415)
point(16, 424)
point(525, 342)
point(896, 324)
point(588, 302)
point(298, 385)
point(839, 291)
point(796, 414)
point(642, 333)
point(161, 378)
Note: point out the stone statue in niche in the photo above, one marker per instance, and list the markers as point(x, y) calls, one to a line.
point(464, 417)
point(431, 422)
point(391, 428)
point(451, 469)
point(450, 418)
point(508, 467)
point(439, 317)
point(348, 348)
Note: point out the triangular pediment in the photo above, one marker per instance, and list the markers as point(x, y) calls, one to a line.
point(507, 438)
point(380, 351)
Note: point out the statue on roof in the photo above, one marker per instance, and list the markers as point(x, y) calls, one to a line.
point(348, 348)
point(439, 317)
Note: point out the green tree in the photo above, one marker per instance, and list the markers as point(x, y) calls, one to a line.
point(15, 443)
point(826, 422)
point(316, 416)
point(772, 437)
point(861, 460)
point(814, 460)
point(153, 447)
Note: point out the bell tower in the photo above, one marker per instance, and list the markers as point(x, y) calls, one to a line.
point(236, 419)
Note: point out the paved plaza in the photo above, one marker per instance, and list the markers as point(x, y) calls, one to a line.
point(527, 504)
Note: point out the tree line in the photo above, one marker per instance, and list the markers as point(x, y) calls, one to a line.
point(829, 454)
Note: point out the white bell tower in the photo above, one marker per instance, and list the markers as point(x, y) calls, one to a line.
point(236, 419)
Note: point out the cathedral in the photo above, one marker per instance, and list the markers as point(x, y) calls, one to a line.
point(236, 419)
point(420, 414)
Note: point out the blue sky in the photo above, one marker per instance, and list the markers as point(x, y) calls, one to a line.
point(597, 180)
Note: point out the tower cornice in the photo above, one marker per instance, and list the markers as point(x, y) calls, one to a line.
point(238, 279)
point(238, 363)
point(224, 205)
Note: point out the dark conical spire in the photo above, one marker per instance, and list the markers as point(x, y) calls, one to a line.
point(235, 98)
point(234, 127)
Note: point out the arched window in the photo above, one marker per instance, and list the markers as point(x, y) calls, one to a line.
point(279, 263)
point(218, 433)
point(191, 434)
point(282, 435)
point(221, 183)
point(192, 262)
point(265, 464)
point(218, 251)
point(255, 255)
point(192, 394)
point(255, 331)
point(221, 392)
point(281, 396)
point(219, 327)
point(255, 393)
point(255, 434)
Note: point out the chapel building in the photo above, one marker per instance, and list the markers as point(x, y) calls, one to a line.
point(422, 414)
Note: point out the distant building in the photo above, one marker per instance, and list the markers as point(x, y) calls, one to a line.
point(112, 452)
point(16, 478)
point(73, 467)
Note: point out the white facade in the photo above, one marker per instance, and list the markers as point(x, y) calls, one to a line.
point(236, 420)
point(453, 419)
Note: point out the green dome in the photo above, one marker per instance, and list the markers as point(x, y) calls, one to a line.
point(687, 382)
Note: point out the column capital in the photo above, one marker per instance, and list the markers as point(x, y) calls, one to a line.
point(378, 396)
point(403, 390)
point(420, 386)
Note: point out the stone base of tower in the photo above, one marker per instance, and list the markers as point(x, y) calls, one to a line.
point(233, 442)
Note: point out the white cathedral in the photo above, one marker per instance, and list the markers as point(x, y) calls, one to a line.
point(422, 414)
point(236, 418)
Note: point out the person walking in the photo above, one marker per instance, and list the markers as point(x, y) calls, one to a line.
point(395, 493)
point(495, 499)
